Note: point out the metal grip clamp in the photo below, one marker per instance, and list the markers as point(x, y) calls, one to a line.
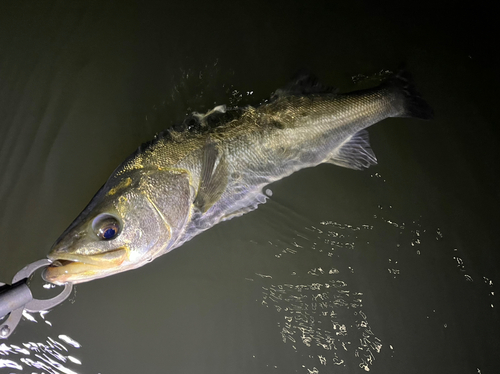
point(16, 298)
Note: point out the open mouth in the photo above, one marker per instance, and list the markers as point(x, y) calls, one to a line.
point(58, 263)
point(81, 268)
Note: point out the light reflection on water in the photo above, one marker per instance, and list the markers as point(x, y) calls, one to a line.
point(325, 315)
point(318, 305)
point(320, 316)
point(53, 356)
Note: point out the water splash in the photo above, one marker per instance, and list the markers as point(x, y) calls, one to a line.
point(195, 89)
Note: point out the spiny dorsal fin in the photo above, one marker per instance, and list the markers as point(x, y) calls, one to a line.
point(213, 179)
point(354, 153)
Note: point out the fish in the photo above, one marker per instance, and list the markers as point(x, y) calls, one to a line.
point(213, 167)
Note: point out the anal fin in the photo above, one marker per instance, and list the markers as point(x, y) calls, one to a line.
point(354, 153)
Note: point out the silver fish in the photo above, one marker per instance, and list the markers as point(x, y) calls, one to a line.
point(214, 167)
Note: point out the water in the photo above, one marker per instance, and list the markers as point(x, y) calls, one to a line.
point(393, 269)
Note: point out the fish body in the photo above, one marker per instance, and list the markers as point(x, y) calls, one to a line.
point(215, 167)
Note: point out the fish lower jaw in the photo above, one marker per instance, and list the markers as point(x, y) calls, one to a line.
point(78, 269)
point(64, 271)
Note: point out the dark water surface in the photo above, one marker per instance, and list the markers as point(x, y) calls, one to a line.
point(392, 270)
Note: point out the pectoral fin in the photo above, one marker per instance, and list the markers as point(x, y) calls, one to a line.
point(354, 153)
point(213, 179)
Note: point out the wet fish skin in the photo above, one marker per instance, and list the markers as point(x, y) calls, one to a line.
point(184, 182)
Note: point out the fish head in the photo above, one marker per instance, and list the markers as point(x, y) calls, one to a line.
point(129, 222)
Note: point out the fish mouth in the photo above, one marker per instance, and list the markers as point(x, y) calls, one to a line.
point(75, 268)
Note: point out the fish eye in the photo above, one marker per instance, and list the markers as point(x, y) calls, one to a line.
point(106, 226)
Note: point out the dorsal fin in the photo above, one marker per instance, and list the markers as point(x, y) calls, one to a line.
point(303, 83)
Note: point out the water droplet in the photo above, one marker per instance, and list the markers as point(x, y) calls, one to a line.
point(4, 331)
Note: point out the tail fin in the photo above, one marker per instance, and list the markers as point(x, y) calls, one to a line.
point(413, 103)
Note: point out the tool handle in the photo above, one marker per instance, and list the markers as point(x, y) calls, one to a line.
point(14, 297)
